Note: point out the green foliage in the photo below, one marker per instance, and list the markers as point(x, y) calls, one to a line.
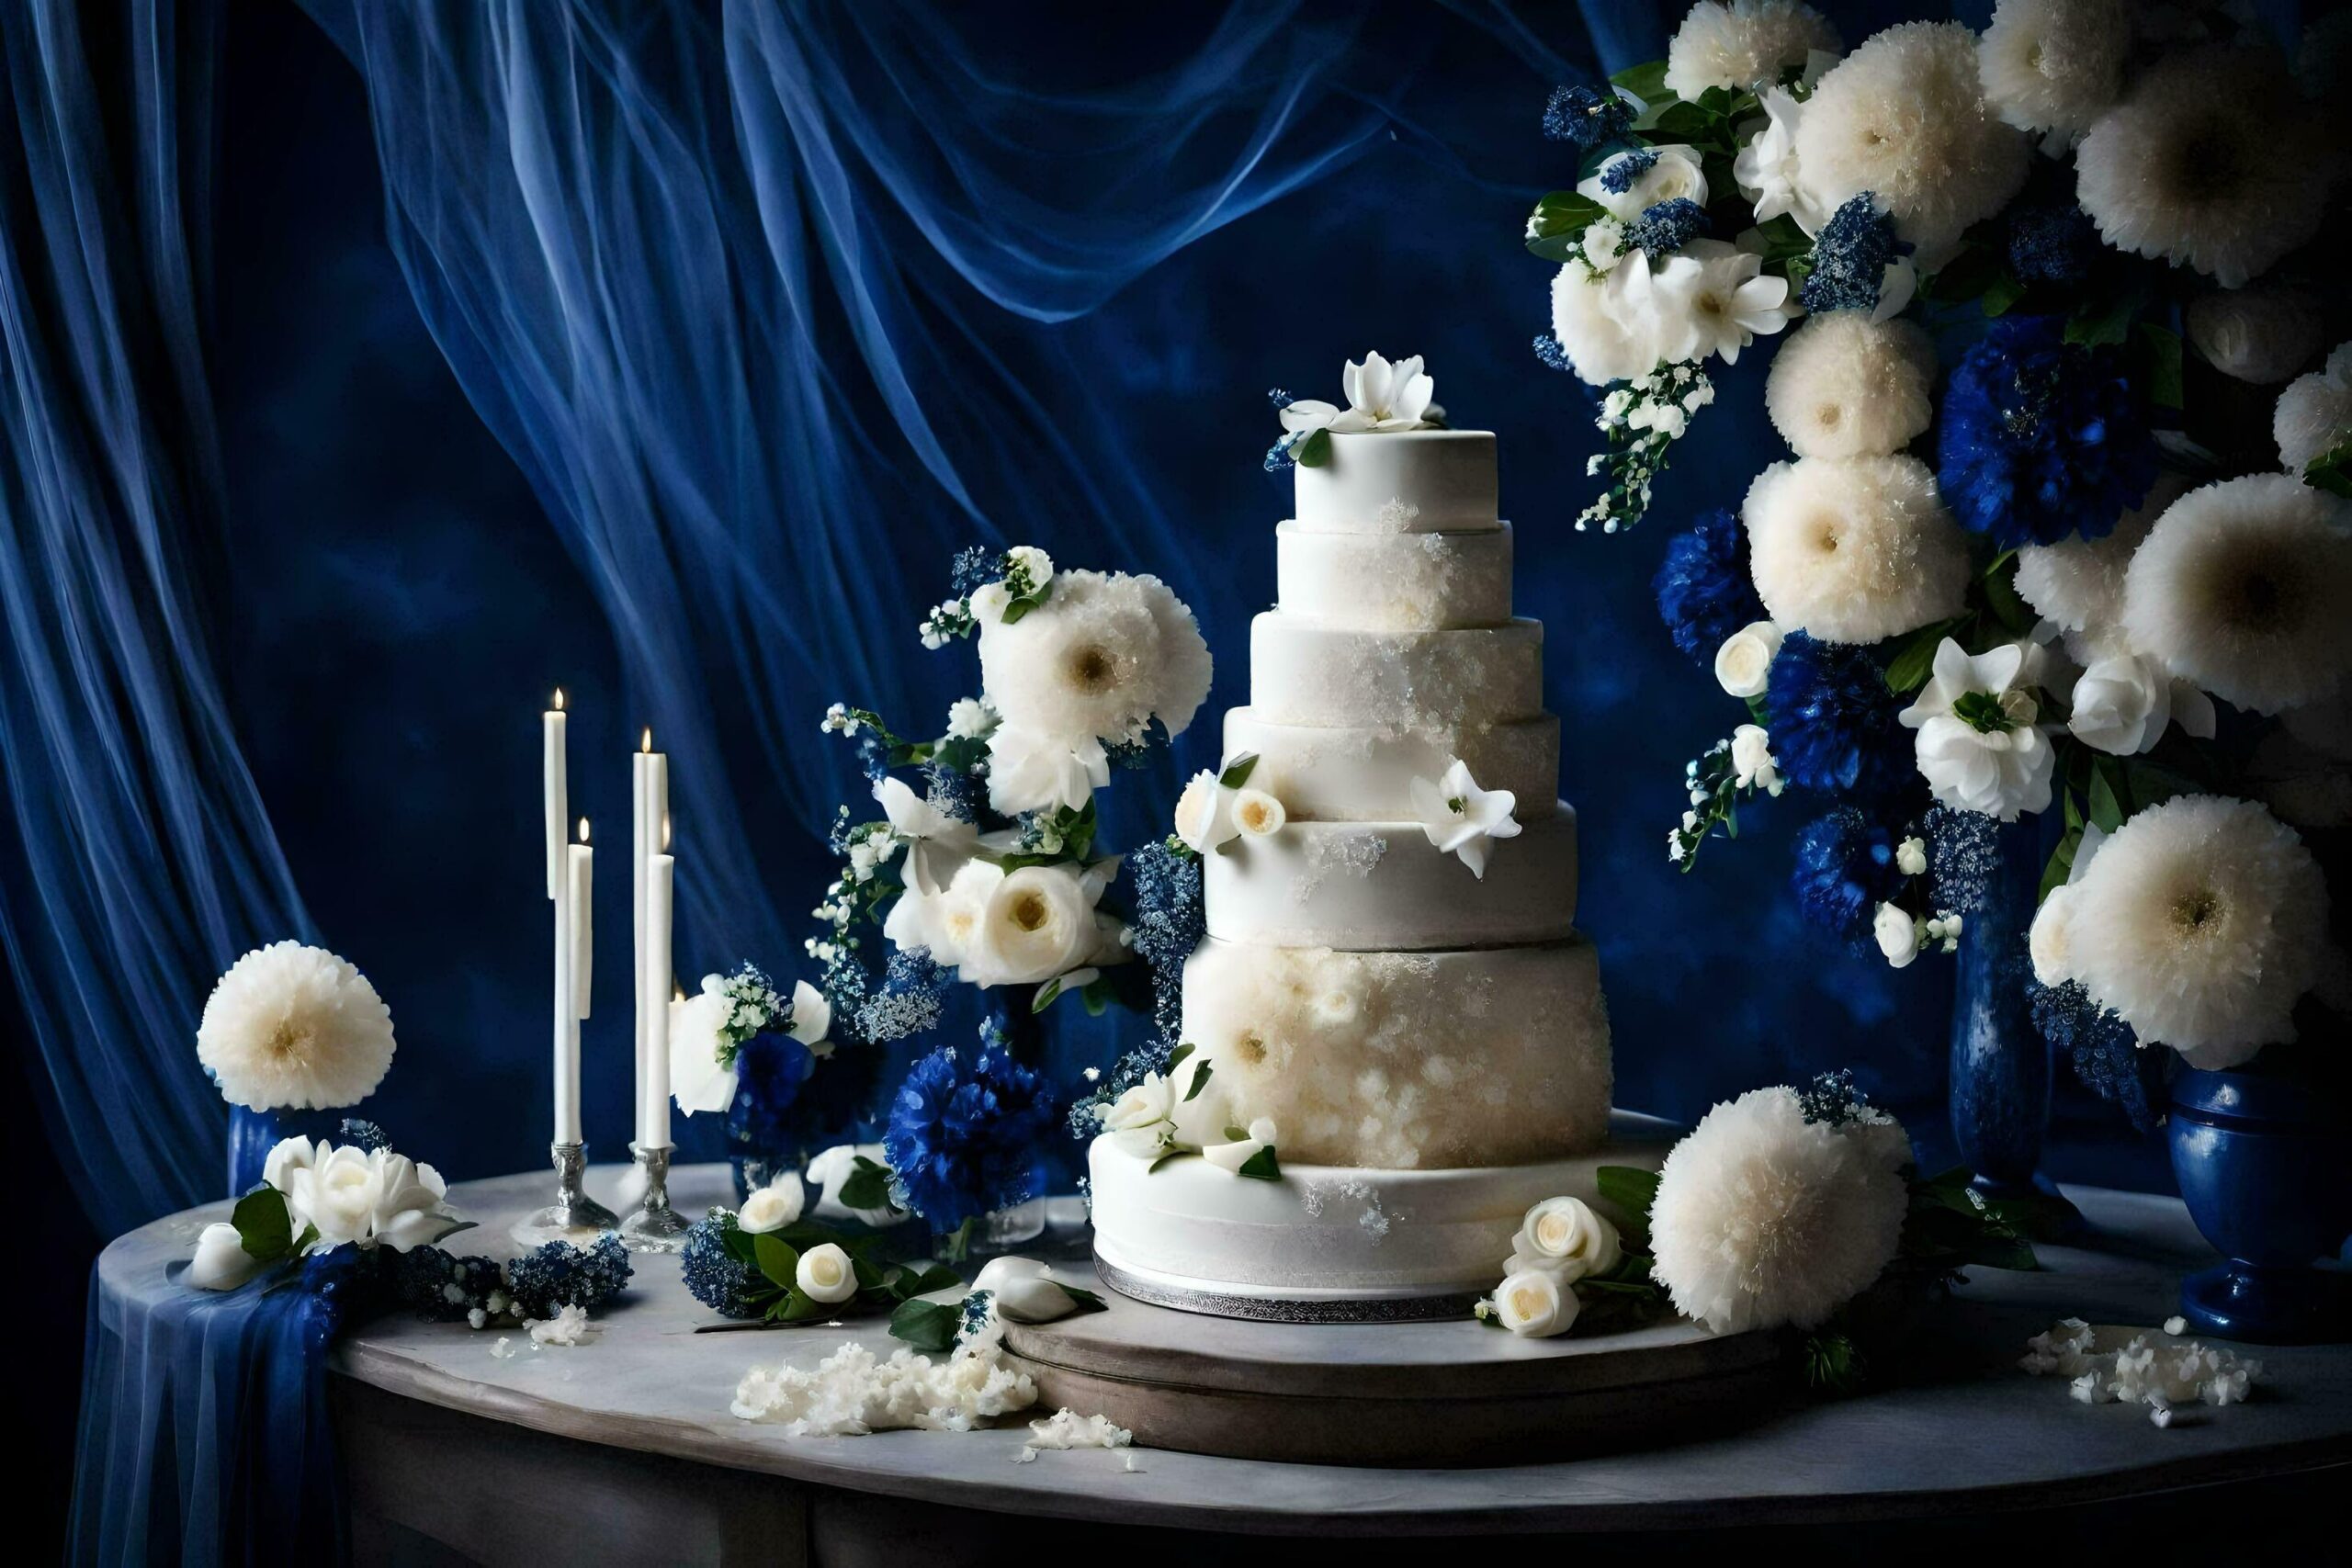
point(1834, 1363)
point(1313, 452)
point(1237, 772)
point(774, 1259)
point(2332, 472)
point(1559, 220)
point(929, 1326)
point(264, 1224)
point(867, 1185)
point(1261, 1166)
point(1645, 81)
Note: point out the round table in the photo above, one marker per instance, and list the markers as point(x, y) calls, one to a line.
point(623, 1449)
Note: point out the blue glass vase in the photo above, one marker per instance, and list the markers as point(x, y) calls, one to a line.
point(2265, 1165)
point(2000, 1063)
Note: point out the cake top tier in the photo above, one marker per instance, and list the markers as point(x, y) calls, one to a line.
point(1415, 482)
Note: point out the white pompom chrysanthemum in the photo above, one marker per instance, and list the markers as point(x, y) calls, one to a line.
point(1845, 386)
point(2204, 164)
point(1904, 115)
point(295, 1027)
point(2314, 413)
point(1606, 339)
point(2260, 335)
point(2242, 588)
point(2079, 583)
point(2201, 924)
point(1742, 42)
point(1100, 659)
point(1763, 1218)
point(1854, 551)
point(2054, 65)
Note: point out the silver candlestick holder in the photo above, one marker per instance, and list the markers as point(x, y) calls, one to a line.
point(655, 1226)
point(573, 1216)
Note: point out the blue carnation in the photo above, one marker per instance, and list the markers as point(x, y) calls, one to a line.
point(1704, 590)
point(2106, 1054)
point(2042, 438)
point(770, 1070)
point(963, 1133)
point(1585, 119)
point(2052, 244)
point(1832, 721)
point(1845, 870)
point(1850, 257)
point(1668, 226)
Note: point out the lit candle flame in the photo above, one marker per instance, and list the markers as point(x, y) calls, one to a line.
point(646, 744)
point(558, 699)
point(583, 829)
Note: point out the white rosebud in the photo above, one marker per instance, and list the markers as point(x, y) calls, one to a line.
point(825, 1274)
point(1535, 1303)
point(1753, 765)
point(1262, 1128)
point(1232, 1156)
point(222, 1262)
point(1897, 933)
point(1258, 814)
point(1141, 1121)
point(1564, 1236)
point(1204, 814)
point(1024, 1291)
point(1911, 856)
point(773, 1207)
point(1035, 562)
point(989, 603)
point(1744, 663)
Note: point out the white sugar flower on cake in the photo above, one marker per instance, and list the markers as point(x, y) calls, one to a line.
point(1381, 396)
point(291, 1027)
point(1461, 819)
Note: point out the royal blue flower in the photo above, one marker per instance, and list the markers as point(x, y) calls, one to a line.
point(1845, 870)
point(1832, 721)
point(1851, 256)
point(1666, 228)
point(1626, 168)
point(2106, 1054)
point(1702, 587)
point(2052, 244)
point(713, 1277)
point(963, 1133)
point(770, 1068)
point(2042, 438)
point(441, 1287)
point(1585, 119)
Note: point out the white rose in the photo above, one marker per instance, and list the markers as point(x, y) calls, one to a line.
point(989, 601)
point(774, 1206)
point(408, 1211)
point(825, 1274)
point(1566, 1235)
point(1038, 922)
point(1897, 933)
point(1995, 761)
point(1911, 856)
point(222, 1262)
point(1258, 814)
point(1753, 766)
point(2047, 939)
point(1030, 771)
point(1603, 237)
point(289, 1155)
point(1676, 174)
point(1035, 562)
point(1744, 663)
point(1535, 1303)
point(338, 1195)
point(1024, 1292)
point(1204, 814)
point(2121, 705)
point(1141, 1121)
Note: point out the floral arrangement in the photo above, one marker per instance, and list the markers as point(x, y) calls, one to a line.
point(764, 1262)
point(2087, 569)
point(1381, 397)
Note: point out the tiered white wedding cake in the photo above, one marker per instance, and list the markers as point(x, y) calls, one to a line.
point(1392, 977)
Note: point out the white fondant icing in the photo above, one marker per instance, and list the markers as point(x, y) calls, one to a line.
point(1421, 481)
point(1383, 887)
point(1397, 582)
point(1304, 672)
point(1362, 774)
point(1337, 1230)
point(1402, 1060)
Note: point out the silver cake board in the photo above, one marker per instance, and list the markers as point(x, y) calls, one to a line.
point(1451, 1392)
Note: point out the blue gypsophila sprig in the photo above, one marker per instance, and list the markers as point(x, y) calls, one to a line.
point(556, 1275)
point(1551, 355)
point(2054, 245)
point(1169, 923)
point(1667, 227)
point(1831, 1098)
point(909, 1001)
point(2106, 1054)
point(1618, 176)
point(953, 791)
point(366, 1135)
point(1844, 869)
point(1587, 118)
point(713, 1277)
point(1832, 725)
point(1704, 592)
point(2042, 438)
point(1850, 257)
point(1964, 855)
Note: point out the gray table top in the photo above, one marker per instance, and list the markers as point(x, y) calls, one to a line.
point(1967, 1431)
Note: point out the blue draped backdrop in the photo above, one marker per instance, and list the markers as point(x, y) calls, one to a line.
point(665, 353)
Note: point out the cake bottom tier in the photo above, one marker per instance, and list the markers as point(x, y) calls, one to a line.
point(1328, 1243)
point(1407, 1060)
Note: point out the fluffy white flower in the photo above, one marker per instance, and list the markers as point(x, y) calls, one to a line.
point(2054, 65)
point(1535, 1303)
point(2262, 335)
point(969, 718)
point(1896, 930)
point(1380, 396)
point(1461, 819)
point(1711, 297)
point(1753, 766)
point(774, 1206)
point(2242, 587)
point(1763, 1218)
point(1766, 169)
point(1605, 324)
point(2077, 583)
point(1032, 770)
point(1676, 176)
point(1979, 747)
point(2201, 923)
point(1101, 658)
point(1854, 551)
point(1038, 922)
point(2206, 163)
point(2046, 941)
point(1845, 386)
point(222, 1262)
point(2314, 413)
point(369, 1197)
point(1257, 813)
point(1142, 1122)
point(291, 1027)
point(1904, 115)
point(1738, 43)
point(1744, 662)
point(1566, 1237)
point(825, 1274)
point(1204, 813)
point(2122, 704)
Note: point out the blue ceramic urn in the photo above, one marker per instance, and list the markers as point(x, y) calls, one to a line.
point(2265, 1165)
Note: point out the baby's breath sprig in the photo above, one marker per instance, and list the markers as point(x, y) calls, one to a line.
point(1642, 418)
point(1714, 788)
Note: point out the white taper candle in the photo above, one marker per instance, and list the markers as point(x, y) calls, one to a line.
point(556, 786)
point(653, 1122)
point(583, 921)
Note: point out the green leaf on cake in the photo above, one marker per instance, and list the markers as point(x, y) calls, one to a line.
point(1176, 1058)
point(1163, 1159)
point(1261, 1166)
point(1315, 451)
point(1200, 1081)
point(1237, 772)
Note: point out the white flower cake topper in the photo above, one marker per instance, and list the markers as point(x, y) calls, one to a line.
point(1463, 820)
point(1382, 396)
